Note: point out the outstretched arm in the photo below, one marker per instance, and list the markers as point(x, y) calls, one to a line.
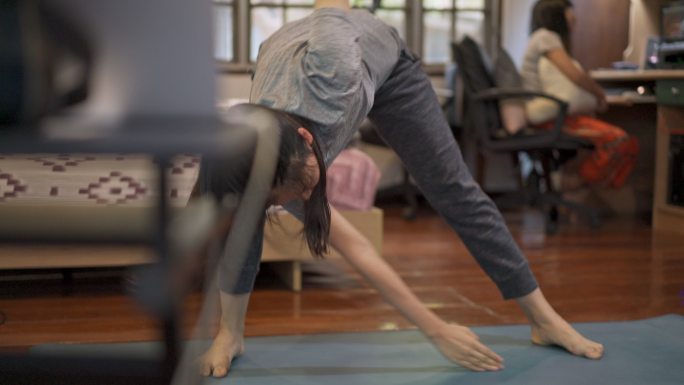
point(455, 342)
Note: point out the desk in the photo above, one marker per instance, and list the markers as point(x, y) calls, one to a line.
point(629, 81)
point(662, 112)
point(640, 75)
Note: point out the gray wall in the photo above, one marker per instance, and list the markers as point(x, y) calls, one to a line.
point(152, 57)
point(515, 20)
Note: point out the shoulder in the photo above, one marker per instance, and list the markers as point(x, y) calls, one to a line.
point(546, 39)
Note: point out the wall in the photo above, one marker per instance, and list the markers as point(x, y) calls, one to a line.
point(127, 78)
point(515, 27)
point(644, 22)
point(590, 51)
point(602, 32)
point(233, 86)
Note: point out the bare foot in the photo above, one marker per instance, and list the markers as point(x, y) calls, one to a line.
point(216, 361)
point(560, 333)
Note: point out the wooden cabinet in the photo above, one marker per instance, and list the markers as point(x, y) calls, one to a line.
point(602, 32)
point(667, 216)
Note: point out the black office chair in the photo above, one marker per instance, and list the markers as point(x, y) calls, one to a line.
point(547, 149)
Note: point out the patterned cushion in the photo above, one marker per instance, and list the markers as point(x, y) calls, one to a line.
point(92, 179)
point(96, 195)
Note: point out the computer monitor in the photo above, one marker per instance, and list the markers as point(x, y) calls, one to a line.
point(672, 21)
point(652, 55)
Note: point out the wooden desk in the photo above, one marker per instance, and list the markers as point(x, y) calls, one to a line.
point(611, 79)
point(637, 115)
point(630, 100)
point(666, 217)
point(668, 89)
point(640, 75)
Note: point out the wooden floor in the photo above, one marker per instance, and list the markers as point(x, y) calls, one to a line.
point(621, 272)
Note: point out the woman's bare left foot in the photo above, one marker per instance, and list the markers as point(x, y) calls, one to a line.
point(561, 333)
point(217, 360)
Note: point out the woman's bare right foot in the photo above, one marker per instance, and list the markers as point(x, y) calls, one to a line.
point(549, 328)
point(560, 333)
point(216, 361)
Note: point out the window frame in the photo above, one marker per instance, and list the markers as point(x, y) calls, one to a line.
point(232, 4)
point(284, 6)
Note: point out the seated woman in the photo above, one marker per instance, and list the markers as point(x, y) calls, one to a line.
point(548, 67)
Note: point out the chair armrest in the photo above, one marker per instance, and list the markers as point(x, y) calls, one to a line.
point(509, 93)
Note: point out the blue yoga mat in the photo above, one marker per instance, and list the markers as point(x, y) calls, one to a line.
point(637, 352)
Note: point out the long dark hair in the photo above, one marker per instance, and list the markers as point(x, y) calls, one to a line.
point(290, 173)
point(550, 14)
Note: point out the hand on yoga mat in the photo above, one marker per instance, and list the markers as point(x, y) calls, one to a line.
point(460, 345)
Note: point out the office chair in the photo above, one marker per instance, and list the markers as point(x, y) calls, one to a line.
point(547, 149)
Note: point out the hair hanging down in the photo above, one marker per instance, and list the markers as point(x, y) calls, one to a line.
point(290, 173)
point(293, 153)
point(550, 14)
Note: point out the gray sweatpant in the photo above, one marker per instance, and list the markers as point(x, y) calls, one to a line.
point(410, 120)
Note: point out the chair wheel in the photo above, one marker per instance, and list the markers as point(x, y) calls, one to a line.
point(551, 227)
point(551, 223)
point(532, 189)
point(594, 221)
point(553, 214)
point(409, 213)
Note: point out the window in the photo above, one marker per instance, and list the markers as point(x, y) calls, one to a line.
point(266, 16)
point(224, 30)
point(450, 20)
point(428, 26)
point(392, 12)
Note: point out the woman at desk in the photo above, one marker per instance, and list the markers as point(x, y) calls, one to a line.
point(549, 67)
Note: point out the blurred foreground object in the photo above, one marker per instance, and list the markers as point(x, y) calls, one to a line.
point(45, 62)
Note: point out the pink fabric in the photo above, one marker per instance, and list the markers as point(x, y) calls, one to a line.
point(352, 181)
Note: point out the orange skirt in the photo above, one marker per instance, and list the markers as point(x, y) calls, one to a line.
point(615, 152)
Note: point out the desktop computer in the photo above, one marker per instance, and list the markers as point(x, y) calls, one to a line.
point(671, 55)
point(670, 47)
